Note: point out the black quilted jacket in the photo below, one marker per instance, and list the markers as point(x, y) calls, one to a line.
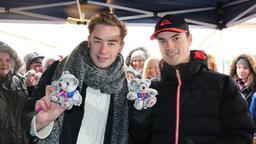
point(13, 95)
point(212, 110)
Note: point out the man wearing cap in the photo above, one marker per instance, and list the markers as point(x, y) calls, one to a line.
point(194, 105)
point(34, 61)
point(34, 70)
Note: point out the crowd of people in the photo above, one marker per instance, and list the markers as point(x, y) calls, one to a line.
point(195, 104)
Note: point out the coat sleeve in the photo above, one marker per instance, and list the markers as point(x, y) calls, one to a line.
point(252, 107)
point(140, 125)
point(236, 123)
point(38, 92)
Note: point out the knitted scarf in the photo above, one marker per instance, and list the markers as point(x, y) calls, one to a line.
point(111, 81)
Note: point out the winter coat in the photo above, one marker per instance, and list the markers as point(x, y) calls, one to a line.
point(73, 118)
point(246, 90)
point(212, 110)
point(13, 95)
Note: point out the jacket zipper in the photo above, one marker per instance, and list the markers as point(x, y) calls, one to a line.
point(177, 125)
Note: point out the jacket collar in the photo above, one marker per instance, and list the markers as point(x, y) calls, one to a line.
point(198, 61)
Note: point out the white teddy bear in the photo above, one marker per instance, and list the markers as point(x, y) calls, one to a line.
point(144, 96)
point(66, 93)
point(32, 77)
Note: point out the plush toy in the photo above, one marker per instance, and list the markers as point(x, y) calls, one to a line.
point(144, 96)
point(65, 91)
point(32, 77)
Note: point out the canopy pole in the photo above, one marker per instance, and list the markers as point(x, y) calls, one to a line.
point(79, 10)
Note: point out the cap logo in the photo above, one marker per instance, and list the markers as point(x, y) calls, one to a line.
point(165, 22)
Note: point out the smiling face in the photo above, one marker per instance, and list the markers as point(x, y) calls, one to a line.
point(105, 44)
point(5, 64)
point(37, 66)
point(152, 69)
point(174, 47)
point(242, 71)
point(138, 63)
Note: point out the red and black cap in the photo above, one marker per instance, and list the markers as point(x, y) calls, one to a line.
point(170, 23)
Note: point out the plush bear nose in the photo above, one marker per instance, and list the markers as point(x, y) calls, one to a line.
point(143, 87)
point(60, 84)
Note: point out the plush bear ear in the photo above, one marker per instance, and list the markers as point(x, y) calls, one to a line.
point(148, 82)
point(65, 72)
point(76, 82)
point(134, 84)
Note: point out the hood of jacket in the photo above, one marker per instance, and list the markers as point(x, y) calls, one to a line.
point(249, 59)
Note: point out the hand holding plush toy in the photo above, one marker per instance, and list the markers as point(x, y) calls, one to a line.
point(65, 92)
point(144, 96)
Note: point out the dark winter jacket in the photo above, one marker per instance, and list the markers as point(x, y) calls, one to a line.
point(212, 111)
point(13, 95)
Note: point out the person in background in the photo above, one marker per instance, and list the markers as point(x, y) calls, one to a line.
point(136, 59)
point(151, 68)
point(34, 69)
point(98, 65)
point(13, 95)
point(212, 63)
point(34, 61)
point(131, 73)
point(49, 60)
point(194, 105)
point(22, 70)
point(243, 71)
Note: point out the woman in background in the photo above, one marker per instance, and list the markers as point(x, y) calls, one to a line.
point(243, 69)
point(136, 59)
point(13, 95)
point(151, 68)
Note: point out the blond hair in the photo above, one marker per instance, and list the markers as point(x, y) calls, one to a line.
point(212, 63)
point(146, 66)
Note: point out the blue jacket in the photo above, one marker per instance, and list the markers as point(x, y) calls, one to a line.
point(252, 107)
